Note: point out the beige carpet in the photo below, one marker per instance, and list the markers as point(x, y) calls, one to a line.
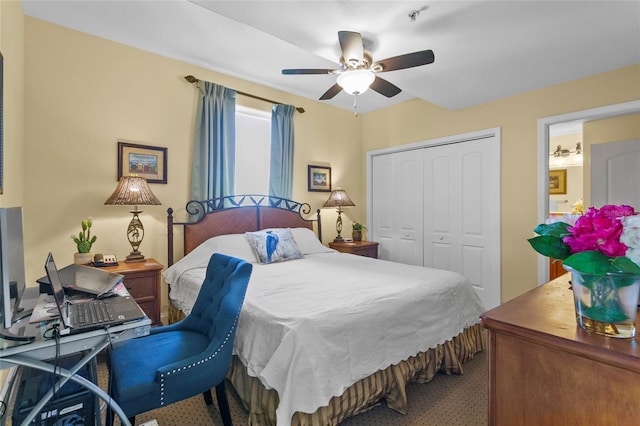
point(446, 400)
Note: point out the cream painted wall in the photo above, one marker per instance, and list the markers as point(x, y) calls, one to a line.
point(83, 94)
point(517, 117)
point(12, 48)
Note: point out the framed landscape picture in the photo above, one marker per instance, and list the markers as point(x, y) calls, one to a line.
point(319, 178)
point(149, 162)
point(558, 181)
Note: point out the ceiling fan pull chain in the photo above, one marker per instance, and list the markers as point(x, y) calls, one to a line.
point(355, 104)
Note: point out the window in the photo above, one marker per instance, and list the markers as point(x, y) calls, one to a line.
point(253, 150)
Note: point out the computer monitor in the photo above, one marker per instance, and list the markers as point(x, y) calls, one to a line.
point(12, 275)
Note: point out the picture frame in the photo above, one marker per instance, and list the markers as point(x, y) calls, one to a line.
point(558, 181)
point(319, 178)
point(146, 161)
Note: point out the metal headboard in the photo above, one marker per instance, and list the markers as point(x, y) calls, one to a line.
point(236, 214)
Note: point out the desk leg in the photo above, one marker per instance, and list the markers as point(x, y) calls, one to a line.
point(66, 376)
point(92, 369)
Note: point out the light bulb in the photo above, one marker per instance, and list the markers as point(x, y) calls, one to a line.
point(356, 82)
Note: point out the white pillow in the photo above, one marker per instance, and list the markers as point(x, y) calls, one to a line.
point(236, 245)
point(274, 245)
point(308, 241)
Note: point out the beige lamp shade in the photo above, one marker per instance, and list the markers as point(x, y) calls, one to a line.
point(133, 191)
point(339, 199)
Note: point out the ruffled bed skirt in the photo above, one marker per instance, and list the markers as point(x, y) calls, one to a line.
point(175, 314)
point(389, 384)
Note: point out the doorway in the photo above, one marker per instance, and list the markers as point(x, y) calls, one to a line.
point(544, 124)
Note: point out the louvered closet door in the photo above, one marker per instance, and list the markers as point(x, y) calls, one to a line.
point(397, 206)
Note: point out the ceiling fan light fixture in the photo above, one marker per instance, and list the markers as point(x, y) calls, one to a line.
point(356, 82)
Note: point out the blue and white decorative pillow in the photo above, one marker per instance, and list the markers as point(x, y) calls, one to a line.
point(274, 245)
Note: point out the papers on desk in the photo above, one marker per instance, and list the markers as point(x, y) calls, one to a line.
point(46, 309)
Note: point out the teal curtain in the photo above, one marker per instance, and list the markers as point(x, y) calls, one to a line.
point(281, 167)
point(214, 146)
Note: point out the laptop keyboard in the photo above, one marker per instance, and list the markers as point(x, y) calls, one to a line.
point(93, 313)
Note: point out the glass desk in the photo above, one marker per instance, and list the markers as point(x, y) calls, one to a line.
point(36, 353)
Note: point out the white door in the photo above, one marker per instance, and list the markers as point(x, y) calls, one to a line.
point(615, 175)
point(462, 213)
point(397, 207)
point(438, 204)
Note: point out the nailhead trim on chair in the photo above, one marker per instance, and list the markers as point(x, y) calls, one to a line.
point(209, 358)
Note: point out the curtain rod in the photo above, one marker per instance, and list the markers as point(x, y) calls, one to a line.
point(192, 79)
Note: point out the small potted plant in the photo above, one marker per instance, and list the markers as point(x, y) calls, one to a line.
point(84, 241)
point(356, 232)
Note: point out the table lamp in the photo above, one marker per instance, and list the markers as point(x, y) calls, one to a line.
point(339, 199)
point(133, 191)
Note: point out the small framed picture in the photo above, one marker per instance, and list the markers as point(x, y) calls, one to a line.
point(558, 181)
point(146, 161)
point(319, 178)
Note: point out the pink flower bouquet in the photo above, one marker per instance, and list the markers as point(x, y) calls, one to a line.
point(601, 241)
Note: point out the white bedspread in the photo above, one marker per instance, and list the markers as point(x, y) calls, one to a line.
point(311, 327)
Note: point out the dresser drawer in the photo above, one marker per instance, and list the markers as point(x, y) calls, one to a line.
point(359, 248)
point(141, 286)
point(142, 281)
point(149, 308)
point(367, 252)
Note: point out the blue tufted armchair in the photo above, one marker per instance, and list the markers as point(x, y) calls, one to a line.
point(189, 357)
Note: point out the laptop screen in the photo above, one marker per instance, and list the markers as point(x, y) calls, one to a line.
point(56, 286)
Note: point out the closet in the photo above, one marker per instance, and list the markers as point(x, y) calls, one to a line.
point(437, 204)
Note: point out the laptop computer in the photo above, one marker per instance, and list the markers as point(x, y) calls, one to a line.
point(81, 316)
point(86, 279)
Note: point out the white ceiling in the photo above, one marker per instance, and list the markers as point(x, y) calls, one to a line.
point(484, 50)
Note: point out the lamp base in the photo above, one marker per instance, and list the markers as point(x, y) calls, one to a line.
point(338, 239)
point(134, 257)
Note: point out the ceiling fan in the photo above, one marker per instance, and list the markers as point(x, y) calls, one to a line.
point(357, 69)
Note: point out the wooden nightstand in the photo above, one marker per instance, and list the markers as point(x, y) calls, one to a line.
point(361, 248)
point(142, 280)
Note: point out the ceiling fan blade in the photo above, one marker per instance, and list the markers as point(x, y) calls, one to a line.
point(308, 71)
point(333, 90)
point(384, 87)
point(408, 60)
point(352, 48)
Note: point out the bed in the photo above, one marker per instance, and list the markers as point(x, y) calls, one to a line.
point(324, 335)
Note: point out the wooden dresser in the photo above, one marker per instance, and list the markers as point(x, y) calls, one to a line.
point(544, 369)
point(142, 280)
point(361, 248)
